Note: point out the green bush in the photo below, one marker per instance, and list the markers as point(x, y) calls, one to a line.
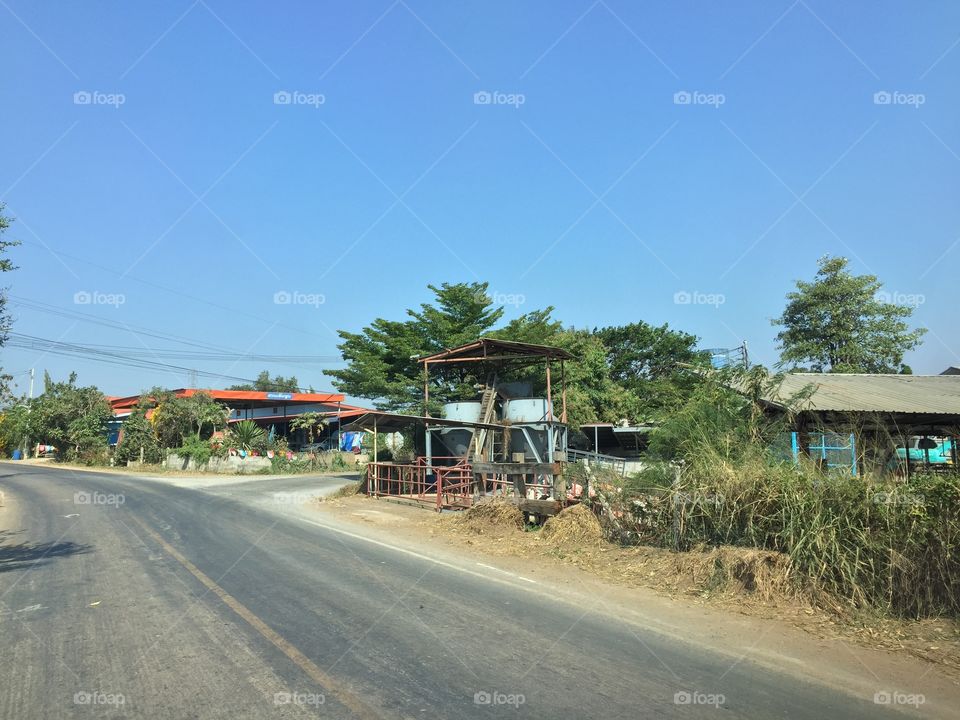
point(197, 450)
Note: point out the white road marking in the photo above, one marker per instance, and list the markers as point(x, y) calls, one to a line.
point(505, 572)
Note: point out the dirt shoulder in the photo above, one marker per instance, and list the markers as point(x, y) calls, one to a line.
point(675, 594)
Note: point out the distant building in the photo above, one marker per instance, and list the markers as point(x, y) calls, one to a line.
point(273, 411)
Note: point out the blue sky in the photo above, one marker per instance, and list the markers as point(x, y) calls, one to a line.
point(680, 162)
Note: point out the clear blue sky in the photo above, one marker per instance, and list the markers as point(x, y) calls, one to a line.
point(199, 197)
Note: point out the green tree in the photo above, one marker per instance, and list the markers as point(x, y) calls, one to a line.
point(138, 436)
point(71, 418)
point(14, 426)
point(592, 394)
point(206, 413)
point(649, 360)
point(177, 419)
point(382, 358)
point(841, 323)
point(265, 383)
point(311, 422)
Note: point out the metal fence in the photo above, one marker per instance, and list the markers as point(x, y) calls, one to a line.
point(831, 450)
point(449, 486)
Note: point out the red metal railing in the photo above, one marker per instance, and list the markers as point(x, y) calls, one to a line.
point(445, 486)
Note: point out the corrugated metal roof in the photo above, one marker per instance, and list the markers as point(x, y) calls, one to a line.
point(484, 347)
point(920, 394)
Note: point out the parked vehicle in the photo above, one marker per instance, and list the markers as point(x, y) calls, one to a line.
point(327, 445)
point(925, 449)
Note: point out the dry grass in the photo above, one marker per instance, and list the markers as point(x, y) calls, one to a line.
point(575, 526)
point(491, 517)
point(764, 574)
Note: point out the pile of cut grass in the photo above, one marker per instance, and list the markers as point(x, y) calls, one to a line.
point(489, 516)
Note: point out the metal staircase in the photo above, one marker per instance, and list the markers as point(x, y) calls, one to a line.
point(488, 406)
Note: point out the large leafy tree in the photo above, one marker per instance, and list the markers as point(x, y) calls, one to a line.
point(838, 323)
point(650, 362)
point(592, 394)
point(139, 438)
point(178, 419)
point(382, 358)
point(71, 418)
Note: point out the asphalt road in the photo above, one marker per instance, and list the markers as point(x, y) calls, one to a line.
point(128, 598)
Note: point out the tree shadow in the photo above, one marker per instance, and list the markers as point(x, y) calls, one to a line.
point(26, 555)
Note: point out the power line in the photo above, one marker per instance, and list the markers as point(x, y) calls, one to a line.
point(214, 352)
point(56, 347)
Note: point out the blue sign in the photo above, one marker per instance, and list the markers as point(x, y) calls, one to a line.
point(279, 396)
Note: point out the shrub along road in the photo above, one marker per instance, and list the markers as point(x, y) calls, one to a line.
point(126, 597)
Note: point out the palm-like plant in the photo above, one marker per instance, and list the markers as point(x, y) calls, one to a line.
point(246, 435)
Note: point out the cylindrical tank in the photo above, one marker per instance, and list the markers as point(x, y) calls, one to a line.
point(518, 411)
point(463, 411)
point(457, 440)
point(519, 389)
point(526, 410)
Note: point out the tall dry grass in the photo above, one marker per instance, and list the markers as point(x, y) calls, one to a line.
point(868, 541)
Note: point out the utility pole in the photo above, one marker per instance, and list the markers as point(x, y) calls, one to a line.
point(26, 438)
